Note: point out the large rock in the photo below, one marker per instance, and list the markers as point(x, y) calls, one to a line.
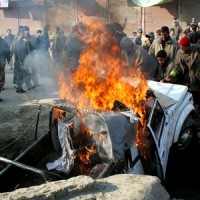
point(122, 186)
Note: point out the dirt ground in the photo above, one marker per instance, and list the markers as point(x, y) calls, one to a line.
point(19, 112)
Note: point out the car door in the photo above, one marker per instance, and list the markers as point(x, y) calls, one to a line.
point(156, 126)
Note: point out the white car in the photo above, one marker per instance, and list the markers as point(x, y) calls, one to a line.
point(171, 122)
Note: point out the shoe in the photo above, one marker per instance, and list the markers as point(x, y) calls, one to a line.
point(2, 88)
point(20, 91)
point(1, 100)
point(32, 87)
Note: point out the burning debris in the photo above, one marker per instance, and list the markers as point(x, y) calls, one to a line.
point(102, 78)
point(91, 141)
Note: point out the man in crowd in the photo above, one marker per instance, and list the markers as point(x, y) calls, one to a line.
point(9, 39)
point(32, 77)
point(165, 66)
point(43, 49)
point(194, 35)
point(136, 57)
point(4, 57)
point(165, 42)
point(58, 45)
point(150, 38)
point(186, 70)
point(20, 50)
point(177, 28)
point(138, 39)
point(73, 47)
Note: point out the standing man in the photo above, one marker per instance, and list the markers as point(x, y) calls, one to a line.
point(58, 45)
point(194, 36)
point(177, 28)
point(73, 47)
point(138, 39)
point(20, 49)
point(4, 56)
point(165, 42)
point(43, 48)
point(150, 38)
point(136, 57)
point(29, 61)
point(9, 39)
point(187, 69)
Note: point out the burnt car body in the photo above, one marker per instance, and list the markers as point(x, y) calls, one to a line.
point(111, 137)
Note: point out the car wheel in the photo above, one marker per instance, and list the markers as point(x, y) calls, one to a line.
point(187, 134)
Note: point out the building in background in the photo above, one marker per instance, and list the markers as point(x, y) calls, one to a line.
point(64, 13)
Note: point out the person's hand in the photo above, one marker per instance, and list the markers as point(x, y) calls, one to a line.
point(166, 80)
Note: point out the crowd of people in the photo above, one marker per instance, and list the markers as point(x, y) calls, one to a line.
point(27, 55)
point(170, 55)
point(176, 52)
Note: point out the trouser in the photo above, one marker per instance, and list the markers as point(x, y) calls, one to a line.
point(19, 77)
point(12, 61)
point(34, 75)
point(2, 76)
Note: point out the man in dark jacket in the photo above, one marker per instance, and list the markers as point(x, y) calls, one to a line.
point(73, 47)
point(186, 70)
point(9, 39)
point(4, 57)
point(20, 49)
point(137, 57)
point(165, 66)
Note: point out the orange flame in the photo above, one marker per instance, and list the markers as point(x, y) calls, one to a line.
point(84, 157)
point(102, 78)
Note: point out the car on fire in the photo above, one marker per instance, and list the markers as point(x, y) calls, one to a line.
point(100, 144)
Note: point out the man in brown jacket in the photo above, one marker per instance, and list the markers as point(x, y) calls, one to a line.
point(187, 69)
point(165, 42)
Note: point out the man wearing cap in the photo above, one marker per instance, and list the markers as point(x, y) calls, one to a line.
point(137, 40)
point(150, 38)
point(165, 42)
point(186, 70)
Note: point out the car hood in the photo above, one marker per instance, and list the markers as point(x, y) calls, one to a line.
point(167, 94)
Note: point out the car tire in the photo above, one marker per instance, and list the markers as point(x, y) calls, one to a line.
point(187, 134)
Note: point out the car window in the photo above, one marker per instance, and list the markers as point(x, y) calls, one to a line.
point(156, 120)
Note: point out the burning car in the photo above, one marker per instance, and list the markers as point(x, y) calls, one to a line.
point(110, 121)
point(103, 143)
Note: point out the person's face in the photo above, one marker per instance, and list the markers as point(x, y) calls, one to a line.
point(9, 32)
point(26, 32)
point(172, 32)
point(185, 49)
point(164, 36)
point(161, 61)
point(139, 34)
point(150, 39)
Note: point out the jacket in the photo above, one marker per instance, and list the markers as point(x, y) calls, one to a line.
point(187, 68)
point(171, 48)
